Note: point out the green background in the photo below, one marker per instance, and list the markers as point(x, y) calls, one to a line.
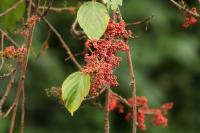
point(166, 64)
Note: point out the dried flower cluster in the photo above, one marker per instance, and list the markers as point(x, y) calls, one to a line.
point(102, 60)
point(158, 115)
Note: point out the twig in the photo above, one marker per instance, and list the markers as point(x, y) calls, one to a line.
point(64, 45)
point(44, 46)
point(140, 21)
point(2, 45)
point(22, 111)
point(20, 88)
point(57, 9)
point(185, 9)
point(9, 38)
point(133, 90)
point(121, 99)
point(13, 7)
point(106, 112)
point(93, 97)
point(9, 86)
point(77, 54)
point(76, 33)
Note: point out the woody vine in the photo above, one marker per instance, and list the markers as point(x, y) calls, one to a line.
point(105, 34)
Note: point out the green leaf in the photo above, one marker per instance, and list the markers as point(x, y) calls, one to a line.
point(114, 4)
point(93, 18)
point(9, 21)
point(74, 89)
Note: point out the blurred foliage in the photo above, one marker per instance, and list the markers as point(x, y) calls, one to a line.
point(166, 64)
point(9, 21)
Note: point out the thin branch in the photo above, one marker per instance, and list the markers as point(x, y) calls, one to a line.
point(12, 8)
point(106, 112)
point(9, 86)
point(64, 45)
point(77, 54)
point(22, 111)
point(133, 90)
point(2, 58)
point(57, 9)
point(121, 99)
point(76, 33)
point(44, 46)
point(20, 88)
point(185, 9)
point(9, 38)
point(93, 97)
point(145, 20)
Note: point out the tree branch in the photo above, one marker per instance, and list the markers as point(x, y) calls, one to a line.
point(133, 90)
point(9, 38)
point(64, 45)
point(106, 112)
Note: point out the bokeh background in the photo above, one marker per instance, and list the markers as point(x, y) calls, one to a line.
point(166, 64)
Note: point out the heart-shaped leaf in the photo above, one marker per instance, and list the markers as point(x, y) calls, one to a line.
point(93, 18)
point(74, 89)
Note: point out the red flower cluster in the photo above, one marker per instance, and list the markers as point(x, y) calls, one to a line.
point(114, 103)
point(189, 19)
point(11, 52)
point(158, 115)
point(102, 60)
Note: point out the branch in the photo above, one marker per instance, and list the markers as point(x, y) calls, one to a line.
point(13, 7)
point(76, 33)
point(9, 86)
point(106, 112)
point(64, 45)
point(20, 88)
point(9, 38)
point(93, 97)
point(2, 45)
point(185, 9)
point(58, 9)
point(140, 21)
point(121, 99)
point(133, 90)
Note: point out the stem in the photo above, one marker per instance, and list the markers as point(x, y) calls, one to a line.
point(106, 113)
point(64, 45)
point(133, 90)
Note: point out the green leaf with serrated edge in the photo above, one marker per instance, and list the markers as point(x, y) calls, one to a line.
point(93, 18)
point(9, 21)
point(74, 89)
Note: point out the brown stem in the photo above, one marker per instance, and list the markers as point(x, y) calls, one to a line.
point(64, 45)
point(22, 111)
point(145, 20)
point(133, 90)
point(106, 113)
point(2, 45)
point(121, 99)
point(9, 86)
point(9, 38)
point(57, 9)
point(20, 88)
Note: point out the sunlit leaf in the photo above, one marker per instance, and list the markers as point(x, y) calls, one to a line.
point(74, 89)
point(93, 18)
